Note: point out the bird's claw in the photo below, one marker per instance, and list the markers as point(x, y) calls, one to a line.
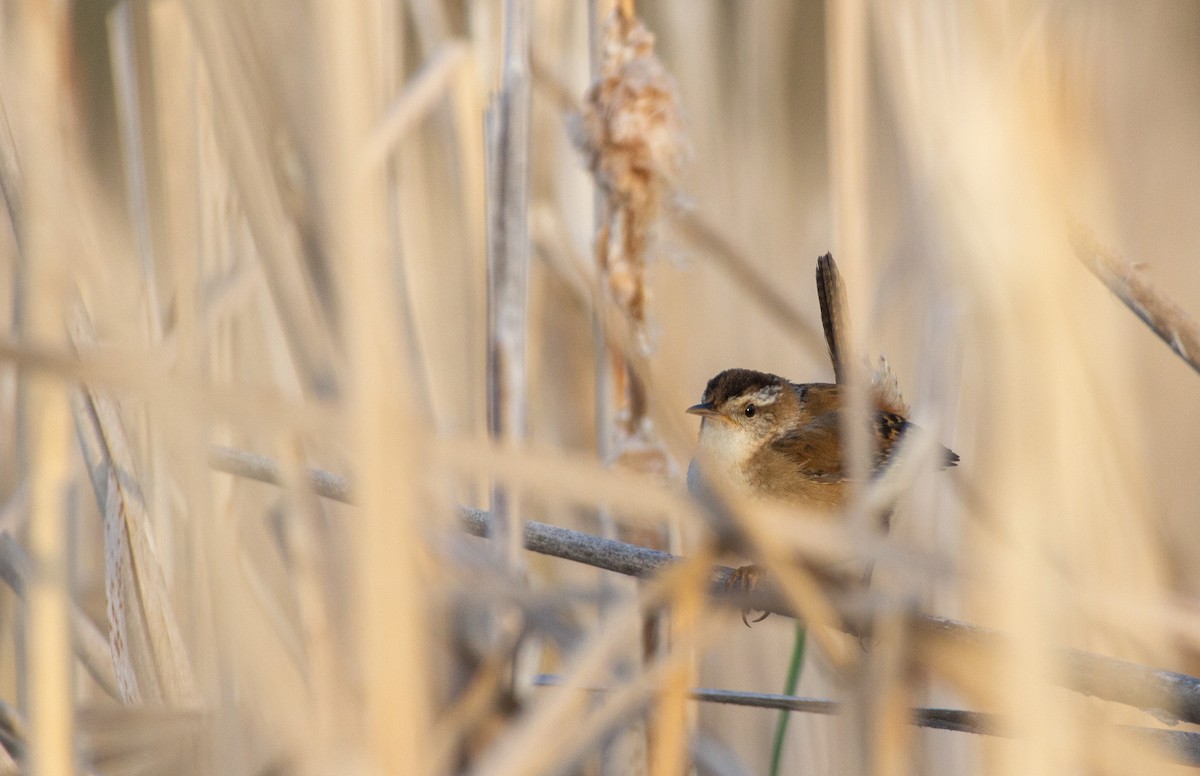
point(759, 618)
point(744, 580)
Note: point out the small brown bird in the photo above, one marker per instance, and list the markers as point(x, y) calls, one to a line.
point(783, 440)
point(767, 436)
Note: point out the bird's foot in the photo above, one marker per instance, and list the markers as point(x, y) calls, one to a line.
point(744, 580)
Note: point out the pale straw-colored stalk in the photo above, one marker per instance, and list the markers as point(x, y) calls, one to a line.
point(38, 54)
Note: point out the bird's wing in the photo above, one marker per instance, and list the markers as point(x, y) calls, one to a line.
point(814, 449)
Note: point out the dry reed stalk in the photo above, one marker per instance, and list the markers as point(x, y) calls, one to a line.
point(576, 480)
point(403, 107)
point(388, 436)
point(1169, 321)
point(246, 650)
point(631, 701)
point(11, 185)
point(997, 197)
point(632, 136)
point(671, 726)
point(534, 737)
point(537, 741)
point(264, 469)
point(249, 137)
point(1167, 694)
point(508, 259)
point(130, 109)
point(737, 265)
point(127, 26)
point(958, 720)
point(1177, 746)
point(420, 96)
point(888, 678)
point(152, 664)
point(91, 646)
point(175, 91)
point(470, 145)
point(622, 336)
point(49, 678)
point(40, 56)
point(250, 297)
point(440, 201)
point(580, 482)
point(847, 64)
point(116, 369)
point(566, 258)
point(1093, 674)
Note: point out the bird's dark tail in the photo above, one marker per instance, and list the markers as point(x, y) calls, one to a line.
point(831, 292)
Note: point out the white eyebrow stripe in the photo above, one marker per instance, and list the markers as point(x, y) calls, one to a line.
point(767, 394)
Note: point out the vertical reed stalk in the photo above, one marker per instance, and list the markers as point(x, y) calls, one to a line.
point(508, 261)
point(632, 136)
point(388, 433)
point(40, 51)
point(606, 396)
point(847, 39)
point(12, 187)
point(130, 108)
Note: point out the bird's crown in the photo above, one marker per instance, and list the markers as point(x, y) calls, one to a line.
point(733, 383)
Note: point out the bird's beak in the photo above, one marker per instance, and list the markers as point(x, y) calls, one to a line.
point(705, 410)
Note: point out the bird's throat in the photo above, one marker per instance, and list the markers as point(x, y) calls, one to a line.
point(724, 451)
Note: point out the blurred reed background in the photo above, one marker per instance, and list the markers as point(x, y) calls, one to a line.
point(267, 226)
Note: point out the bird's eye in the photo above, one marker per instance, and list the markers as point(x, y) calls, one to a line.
point(750, 410)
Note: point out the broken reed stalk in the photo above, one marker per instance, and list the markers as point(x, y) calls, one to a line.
point(152, 664)
point(508, 259)
point(1169, 693)
point(1168, 320)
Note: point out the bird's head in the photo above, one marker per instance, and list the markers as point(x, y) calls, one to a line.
point(741, 410)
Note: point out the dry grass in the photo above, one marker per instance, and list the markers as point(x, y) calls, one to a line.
point(267, 227)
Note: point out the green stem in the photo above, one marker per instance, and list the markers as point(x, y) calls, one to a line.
point(793, 680)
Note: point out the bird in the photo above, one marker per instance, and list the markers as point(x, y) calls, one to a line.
point(767, 437)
